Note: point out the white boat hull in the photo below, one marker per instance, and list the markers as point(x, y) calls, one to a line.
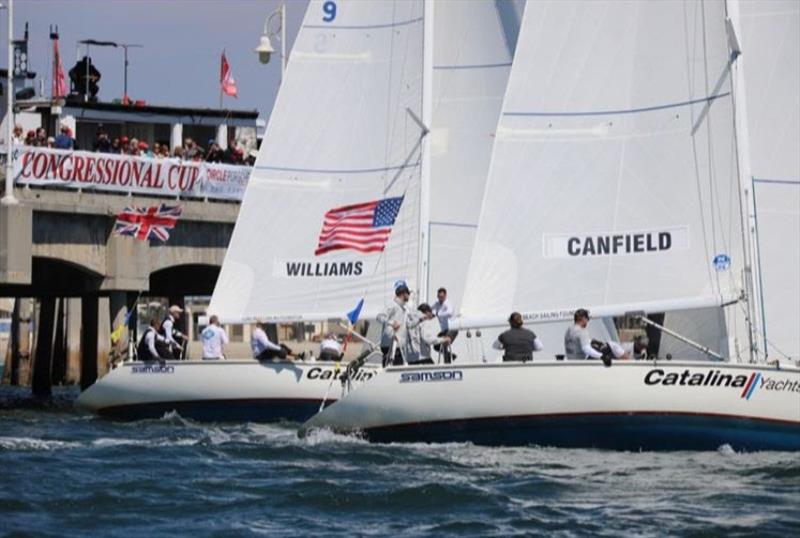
point(232, 390)
point(630, 406)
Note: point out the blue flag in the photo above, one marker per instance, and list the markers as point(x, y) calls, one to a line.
point(354, 313)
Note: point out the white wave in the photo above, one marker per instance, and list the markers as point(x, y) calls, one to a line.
point(324, 436)
point(30, 443)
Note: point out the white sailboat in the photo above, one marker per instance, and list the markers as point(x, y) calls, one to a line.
point(366, 115)
point(614, 185)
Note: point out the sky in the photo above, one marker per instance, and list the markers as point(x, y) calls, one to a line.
point(180, 62)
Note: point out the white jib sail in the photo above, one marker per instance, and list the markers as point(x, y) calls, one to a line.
point(472, 60)
point(613, 181)
point(770, 42)
point(345, 131)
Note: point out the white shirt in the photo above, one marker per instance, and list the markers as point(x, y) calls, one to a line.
point(428, 331)
point(259, 342)
point(214, 337)
point(395, 312)
point(578, 344)
point(444, 311)
point(168, 326)
point(331, 345)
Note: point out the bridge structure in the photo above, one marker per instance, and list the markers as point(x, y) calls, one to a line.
point(73, 280)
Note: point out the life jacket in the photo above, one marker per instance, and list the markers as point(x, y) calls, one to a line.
point(142, 350)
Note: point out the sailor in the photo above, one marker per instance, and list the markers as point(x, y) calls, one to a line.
point(214, 338)
point(148, 350)
point(578, 343)
point(173, 336)
point(442, 309)
point(264, 349)
point(630, 350)
point(330, 349)
point(518, 342)
point(395, 326)
point(426, 334)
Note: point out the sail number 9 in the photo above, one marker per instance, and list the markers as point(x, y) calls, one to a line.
point(329, 8)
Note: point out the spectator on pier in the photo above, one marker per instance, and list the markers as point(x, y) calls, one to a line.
point(133, 147)
point(102, 143)
point(41, 137)
point(63, 140)
point(214, 154)
point(178, 152)
point(51, 142)
point(190, 149)
point(214, 338)
point(144, 149)
point(30, 138)
point(18, 134)
point(123, 145)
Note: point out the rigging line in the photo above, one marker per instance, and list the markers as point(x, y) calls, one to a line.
point(709, 144)
point(695, 158)
point(757, 248)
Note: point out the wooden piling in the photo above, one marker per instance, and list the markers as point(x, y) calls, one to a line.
point(43, 358)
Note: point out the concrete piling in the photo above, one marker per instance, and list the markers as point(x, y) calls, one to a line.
point(88, 350)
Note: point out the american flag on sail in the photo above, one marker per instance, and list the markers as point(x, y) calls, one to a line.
point(147, 223)
point(363, 227)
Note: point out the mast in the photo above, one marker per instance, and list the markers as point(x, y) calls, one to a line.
point(425, 176)
point(746, 201)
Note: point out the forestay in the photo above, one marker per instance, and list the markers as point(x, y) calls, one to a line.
point(613, 181)
point(346, 129)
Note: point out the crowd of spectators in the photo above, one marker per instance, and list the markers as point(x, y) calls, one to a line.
point(189, 151)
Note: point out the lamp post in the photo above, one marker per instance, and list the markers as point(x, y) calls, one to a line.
point(265, 48)
point(8, 197)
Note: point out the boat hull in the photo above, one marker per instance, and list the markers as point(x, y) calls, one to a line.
point(630, 406)
point(245, 390)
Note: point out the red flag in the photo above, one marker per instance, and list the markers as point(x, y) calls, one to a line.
point(226, 79)
point(59, 81)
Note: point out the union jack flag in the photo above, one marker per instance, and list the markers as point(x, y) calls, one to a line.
point(363, 227)
point(147, 223)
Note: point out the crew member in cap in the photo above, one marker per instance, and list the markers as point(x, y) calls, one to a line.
point(395, 325)
point(426, 334)
point(518, 343)
point(578, 343)
point(173, 336)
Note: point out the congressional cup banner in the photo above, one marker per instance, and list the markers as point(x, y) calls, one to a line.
point(85, 170)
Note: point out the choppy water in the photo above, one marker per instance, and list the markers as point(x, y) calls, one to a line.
point(67, 474)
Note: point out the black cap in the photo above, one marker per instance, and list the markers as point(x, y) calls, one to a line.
point(401, 289)
point(424, 307)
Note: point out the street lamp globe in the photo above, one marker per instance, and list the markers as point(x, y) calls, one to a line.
point(264, 49)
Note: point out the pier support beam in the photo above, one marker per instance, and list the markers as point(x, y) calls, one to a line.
point(43, 360)
point(103, 335)
point(89, 326)
point(72, 336)
point(21, 342)
point(58, 371)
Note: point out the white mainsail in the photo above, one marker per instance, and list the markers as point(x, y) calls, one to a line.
point(613, 182)
point(770, 81)
point(347, 128)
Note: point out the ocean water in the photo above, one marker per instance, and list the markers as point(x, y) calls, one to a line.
point(63, 473)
